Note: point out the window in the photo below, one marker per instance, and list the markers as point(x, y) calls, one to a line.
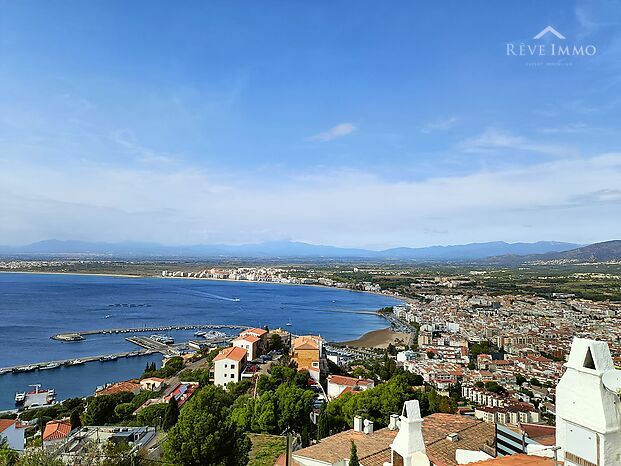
point(232, 366)
point(232, 376)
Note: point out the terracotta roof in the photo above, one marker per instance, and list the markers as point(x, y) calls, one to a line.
point(233, 352)
point(306, 342)
point(516, 460)
point(153, 379)
point(545, 435)
point(258, 331)
point(250, 338)
point(120, 387)
point(472, 435)
point(6, 423)
point(56, 430)
point(336, 447)
point(348, 381)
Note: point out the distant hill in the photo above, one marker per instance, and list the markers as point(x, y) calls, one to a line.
point(284, 249)
point(597, 252)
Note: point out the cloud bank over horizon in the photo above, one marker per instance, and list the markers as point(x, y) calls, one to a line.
point(310, 124)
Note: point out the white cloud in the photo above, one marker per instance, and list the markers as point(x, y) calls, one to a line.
point(335, 132)
point(442, 124)
point(573, 128)
point(564, 199)
point(493, 140)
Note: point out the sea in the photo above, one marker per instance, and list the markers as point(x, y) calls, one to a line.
point(34, 307)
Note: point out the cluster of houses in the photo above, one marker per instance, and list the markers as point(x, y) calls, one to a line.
point(587, 430)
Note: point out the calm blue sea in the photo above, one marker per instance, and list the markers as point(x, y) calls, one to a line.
point(33, 307)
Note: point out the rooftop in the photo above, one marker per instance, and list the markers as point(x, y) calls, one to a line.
point(516, 460)
point(6, 423)
point(56, 430)
point(233, 352)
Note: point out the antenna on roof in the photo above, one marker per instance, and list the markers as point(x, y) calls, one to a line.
point(612, 381)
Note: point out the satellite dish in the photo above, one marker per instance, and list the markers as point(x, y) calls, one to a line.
point(612, 380)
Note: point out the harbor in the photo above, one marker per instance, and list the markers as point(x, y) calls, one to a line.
point(73, 361)
point(77, 336)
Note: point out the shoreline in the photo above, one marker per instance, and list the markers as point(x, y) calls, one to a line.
point(380, 338)
point(361, 337)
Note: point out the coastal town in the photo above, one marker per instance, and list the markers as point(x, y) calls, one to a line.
point(485, 367)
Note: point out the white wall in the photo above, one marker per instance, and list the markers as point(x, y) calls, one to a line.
point(223, 373)
point(15, 437)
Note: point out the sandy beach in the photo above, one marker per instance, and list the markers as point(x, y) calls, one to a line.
point(378, 339)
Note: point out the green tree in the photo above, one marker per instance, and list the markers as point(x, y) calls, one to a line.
point(100, 409)
point(294, 406)
point(75, 419)
point(264, 418)
point(323, 424)
point(353, 455)
point(520, 379)
point(205, 435)
point(152, 415)
point(8, 457)
point(275, 342)
point(171, 415)
point(243, 411)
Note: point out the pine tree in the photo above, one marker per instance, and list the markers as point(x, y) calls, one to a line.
point(323, 426)
point(171, 415)
point(75, 419)
point(353, 455)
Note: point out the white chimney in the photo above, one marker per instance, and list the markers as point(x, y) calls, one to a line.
point(409, 444)
point(393, 424)
point(358, 424)
point(587, 417)
point(368, 426)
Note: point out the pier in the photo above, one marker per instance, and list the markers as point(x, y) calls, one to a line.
point(23, 368)
point(76, 336)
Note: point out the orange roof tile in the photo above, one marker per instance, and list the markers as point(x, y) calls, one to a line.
point(516, 460)
point(119, 387)
point(56, 430)
point(6, 423)
point(348, 381)
point(233, 352)
point(250, 338)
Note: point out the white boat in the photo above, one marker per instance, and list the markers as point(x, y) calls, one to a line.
point(20, 397)
point(52, 365)
point(199, 334)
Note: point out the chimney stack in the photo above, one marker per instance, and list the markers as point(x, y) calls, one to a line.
point(358, 424)
point(393, 424)
point(409, 444)
point(368, 427)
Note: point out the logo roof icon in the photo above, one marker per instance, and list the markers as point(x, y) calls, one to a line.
point(549, 29)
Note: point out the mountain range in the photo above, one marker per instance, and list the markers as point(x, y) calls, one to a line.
point(597, 252)
point(289, 249)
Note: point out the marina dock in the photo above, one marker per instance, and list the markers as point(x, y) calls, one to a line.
point(73, 361)
point(75, 336)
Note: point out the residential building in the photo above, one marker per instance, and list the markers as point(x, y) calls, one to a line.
point(131, 386)
point(307, 352)
point(339, 384)
point(250, 343)
point(409, 440)
point(228, 365)
point(56, 432)
point(152, 384)
point(518, 439)
point(13, 432)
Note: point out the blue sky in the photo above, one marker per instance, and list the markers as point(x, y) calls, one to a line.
point(349, 123)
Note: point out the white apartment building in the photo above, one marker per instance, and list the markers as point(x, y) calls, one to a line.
point(229, 365)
